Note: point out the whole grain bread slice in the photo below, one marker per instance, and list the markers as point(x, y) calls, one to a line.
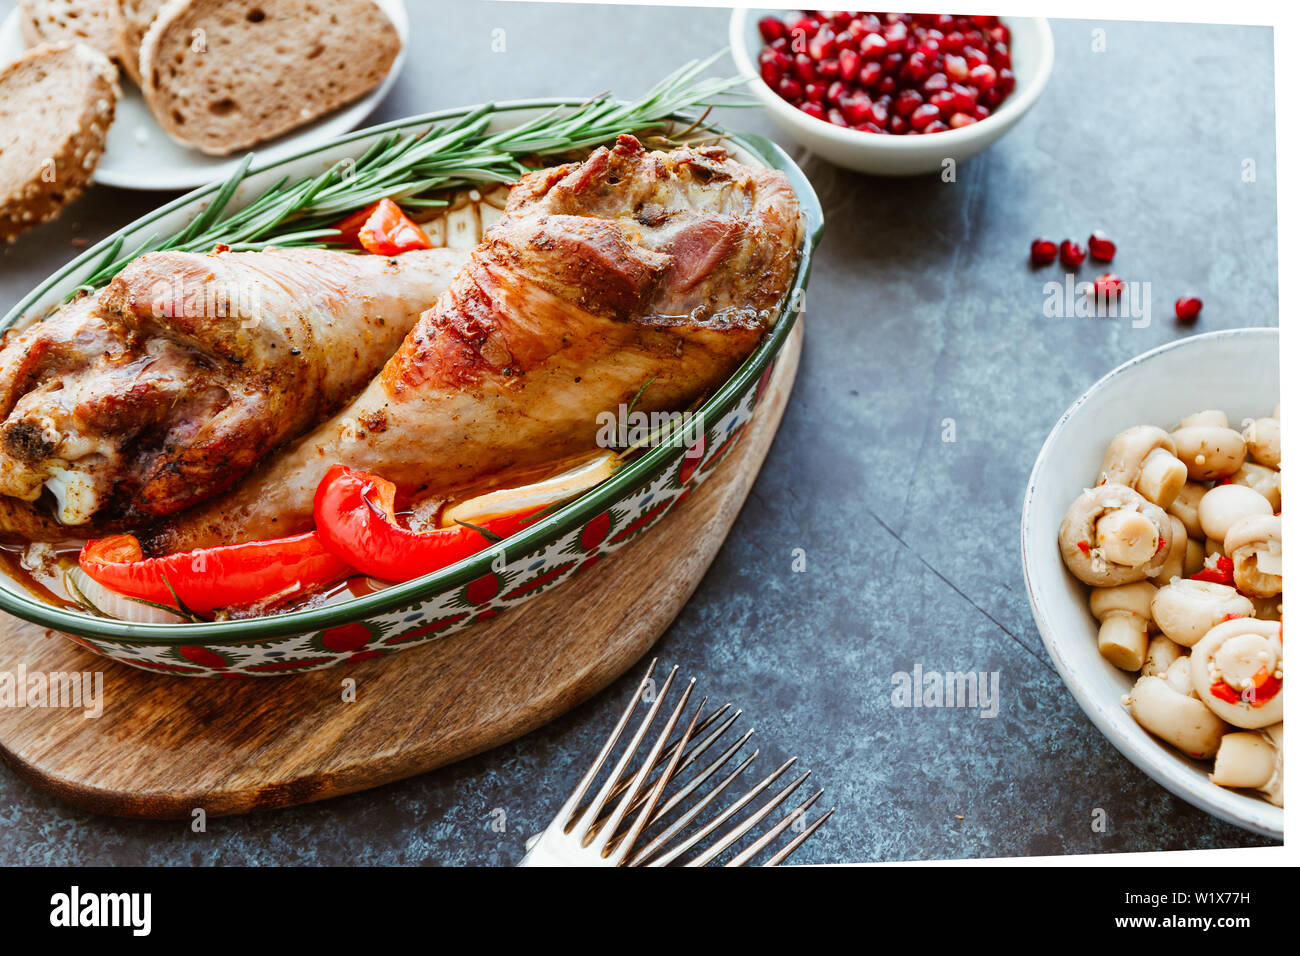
point(75, 21)
point(222, 75)
point(131, 21)
point(56, 104)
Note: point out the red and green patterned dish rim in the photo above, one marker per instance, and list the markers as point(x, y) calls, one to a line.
point(556, 548)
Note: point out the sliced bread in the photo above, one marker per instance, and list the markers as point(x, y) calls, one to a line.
point(56, 104)
point(131, 20)
point(222, 75)
point(76, 21)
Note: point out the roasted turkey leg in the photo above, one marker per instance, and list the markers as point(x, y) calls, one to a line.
point(633, 267)
point(166, 387)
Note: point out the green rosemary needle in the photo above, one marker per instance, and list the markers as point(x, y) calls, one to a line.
point(408, 167)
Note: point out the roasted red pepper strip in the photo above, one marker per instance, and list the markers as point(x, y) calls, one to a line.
point(383, 229)
point(1266, 688)
point(1221, 573)
point(356, 520)
point(227, 576)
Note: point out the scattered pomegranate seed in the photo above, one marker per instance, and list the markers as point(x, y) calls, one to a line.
point(1072, 254)
point(1108, 286)
point(1042, 251)
point(1187, 308)
point(1101, 246)
point(875, 72)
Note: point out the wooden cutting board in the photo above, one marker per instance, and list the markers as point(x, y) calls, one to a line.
point(165, 746)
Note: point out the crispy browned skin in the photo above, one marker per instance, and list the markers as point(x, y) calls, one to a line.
point(168, 386)
point(601, 277)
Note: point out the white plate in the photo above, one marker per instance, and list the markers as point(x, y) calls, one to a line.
point(1237, 371)
point(141, 156)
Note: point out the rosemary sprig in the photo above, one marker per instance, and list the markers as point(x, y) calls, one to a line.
point(408, 167)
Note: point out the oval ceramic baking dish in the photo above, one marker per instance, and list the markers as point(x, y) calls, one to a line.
point(506, 575)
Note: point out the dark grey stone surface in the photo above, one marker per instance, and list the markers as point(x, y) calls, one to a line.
point(922, 308)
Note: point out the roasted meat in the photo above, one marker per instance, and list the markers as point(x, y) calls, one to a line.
point(167, 386)
point(632, 269)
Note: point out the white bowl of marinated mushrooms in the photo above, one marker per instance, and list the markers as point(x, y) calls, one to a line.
point(1152, 546)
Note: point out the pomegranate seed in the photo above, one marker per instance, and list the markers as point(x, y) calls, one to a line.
point(938, 126)
point(958, 120)
point(1042, 252)
point(944, 101)
point(955, 67)
point(984, 77)
point(982, 112)
point(1006, 81)
point(815, 91)
point(873, 46)
point(822, 45)
point(858, 108)
point(804, 67)
point(870, 74)
point(975, 56)
point(850, 63)
point(908, 100)
point(934, 83)
point(844, 40)
point(999, 34)
point(1108, 286)
point(788, 89)
point(841, 19)
point(917, 67)
point(953, 42)
point(836, 92)
point(1101, 246)
point(887, 85)
point(924, 115)
point(814, 109)
point(1187, 308)
point(998, 56)
point(896, 37)
point(963, 98)
point(880, 111)
point(897, 125)
point(771, 28)
point(1072, 254)
point(836, 117)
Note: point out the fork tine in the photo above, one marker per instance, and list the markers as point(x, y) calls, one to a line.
point(688, 759)
point(623, 846)
point(685, 820)
point(751, 851)
point(725, 815)
point(571, 805)
point(588, 817)
point(670, 804)
point(738, 831)
point(779, 856)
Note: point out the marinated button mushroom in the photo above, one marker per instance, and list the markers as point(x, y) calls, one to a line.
point(1175, 565)
point(1255, 546)
point(1267, 481)
point(1161, 654)
point(1237, 671)
point(1252, 760)
point(1208, 446)
point(1112, 535)
point(1177, 718)
point(1186, 610)
point(1125, 615)
point(1186, 508)
point(1264, 441)
point(1143, 458)
point(1225, 505)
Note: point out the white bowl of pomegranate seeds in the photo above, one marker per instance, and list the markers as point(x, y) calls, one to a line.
point(896, 94)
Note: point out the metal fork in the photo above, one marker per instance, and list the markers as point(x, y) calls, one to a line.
point(606, 831)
